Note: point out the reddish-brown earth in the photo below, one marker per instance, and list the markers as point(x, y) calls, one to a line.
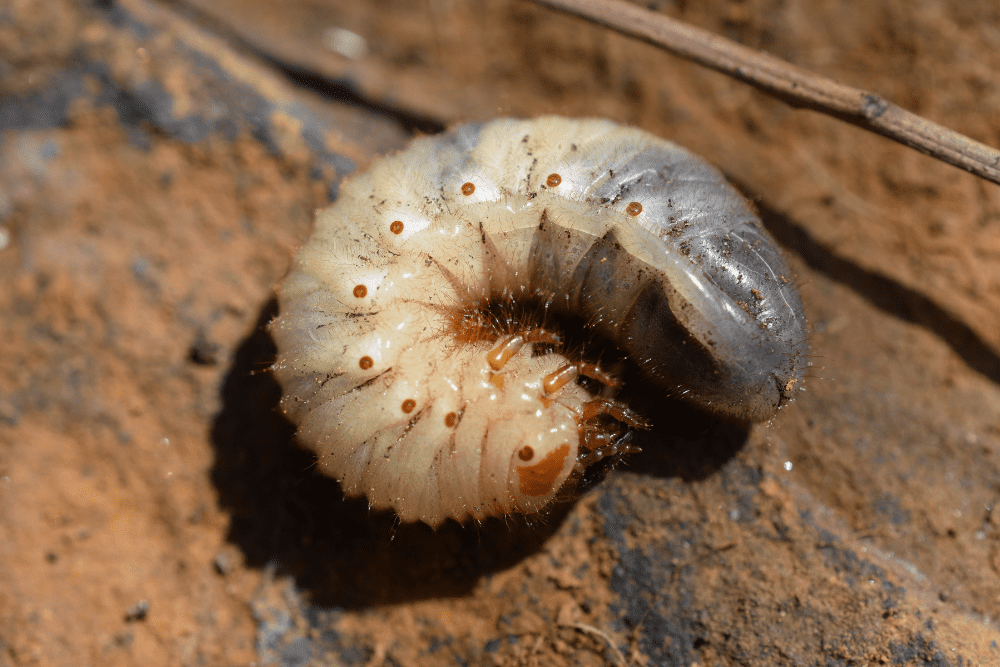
point(159, 163)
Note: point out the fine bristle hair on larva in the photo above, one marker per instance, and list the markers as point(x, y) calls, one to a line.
point(420, 341)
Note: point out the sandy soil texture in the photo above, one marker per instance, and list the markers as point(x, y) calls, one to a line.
point(160, 162)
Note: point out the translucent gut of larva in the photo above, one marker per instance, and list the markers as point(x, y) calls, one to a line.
point(419, 343)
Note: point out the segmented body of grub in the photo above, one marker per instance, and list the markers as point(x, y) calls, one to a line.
point(420, 341)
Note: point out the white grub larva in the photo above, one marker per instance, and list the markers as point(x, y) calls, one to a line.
point(420, 345)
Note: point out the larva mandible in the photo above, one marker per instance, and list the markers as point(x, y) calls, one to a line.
point(418, 340)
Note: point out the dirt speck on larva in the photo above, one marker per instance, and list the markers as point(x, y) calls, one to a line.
point(154, 509)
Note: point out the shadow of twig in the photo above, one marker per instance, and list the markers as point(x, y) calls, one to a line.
point(886, 294)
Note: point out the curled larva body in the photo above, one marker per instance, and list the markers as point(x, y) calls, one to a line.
point(422, 381)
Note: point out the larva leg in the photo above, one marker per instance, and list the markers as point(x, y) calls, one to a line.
point(600, 444)
point(598, 441)
point(556, 380)
point(500, 355)
point(614, 409)
point(595, 372)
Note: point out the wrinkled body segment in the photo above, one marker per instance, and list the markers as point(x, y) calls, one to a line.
point(418, 341)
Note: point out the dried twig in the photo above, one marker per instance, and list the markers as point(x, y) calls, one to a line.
point(796, 86)
point(616, 654)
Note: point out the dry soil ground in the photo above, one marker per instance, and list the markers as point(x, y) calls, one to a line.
point(159, 162)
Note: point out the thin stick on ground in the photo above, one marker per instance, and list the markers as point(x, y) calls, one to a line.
point(795, 85)
point(619, 659)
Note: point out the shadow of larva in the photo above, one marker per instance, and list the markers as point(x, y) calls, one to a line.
point(422, 341)
point(345, 555)
point(283, 515)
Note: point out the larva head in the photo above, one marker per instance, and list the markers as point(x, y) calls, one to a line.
point(541, 459)
point(532, 437)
